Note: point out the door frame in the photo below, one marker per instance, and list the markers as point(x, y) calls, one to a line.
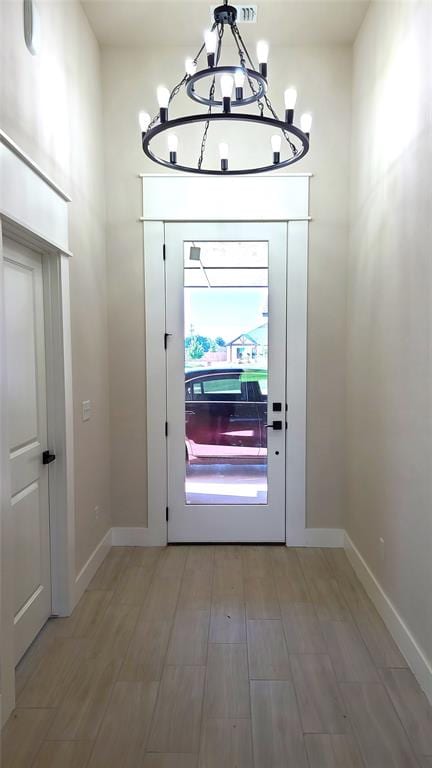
point(168, 198)
point(33, 212)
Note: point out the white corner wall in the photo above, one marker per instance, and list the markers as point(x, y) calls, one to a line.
point(389, 362)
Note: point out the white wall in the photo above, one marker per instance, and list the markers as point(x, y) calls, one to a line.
point(389, 366)
point(323, 78)
point(51, 107)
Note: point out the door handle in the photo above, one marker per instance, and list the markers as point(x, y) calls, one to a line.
point(274, 425)
point(48, 457)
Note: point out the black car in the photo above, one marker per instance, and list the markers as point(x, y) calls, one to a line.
point(226, 414)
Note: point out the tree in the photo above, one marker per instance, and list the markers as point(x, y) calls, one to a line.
point(196, 349)
point(219, 341)
point(204, 341)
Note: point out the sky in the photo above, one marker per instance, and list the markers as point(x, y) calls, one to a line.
point(225, 312)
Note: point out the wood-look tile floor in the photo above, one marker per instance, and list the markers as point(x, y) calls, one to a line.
point(219, 657)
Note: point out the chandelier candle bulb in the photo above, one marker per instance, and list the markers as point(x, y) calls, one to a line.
point(227, 85)
point(172, 146)
point(290, 102)
point(223, 154)
point(306, 123)
point(190, 67)
point(239, 79)
point(276, 142)
point(163, 97)
point(262, 55)
point(210, 41)
point(144, 120)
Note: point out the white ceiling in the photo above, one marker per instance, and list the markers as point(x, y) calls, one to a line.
point(181, 22)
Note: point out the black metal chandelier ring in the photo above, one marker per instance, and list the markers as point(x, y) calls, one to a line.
point(251, 74)
point(211, 117)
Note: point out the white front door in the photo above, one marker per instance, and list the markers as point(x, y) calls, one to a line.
point(27, 429)
point(226, 287)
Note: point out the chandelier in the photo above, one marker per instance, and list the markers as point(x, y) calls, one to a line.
point(241, 85)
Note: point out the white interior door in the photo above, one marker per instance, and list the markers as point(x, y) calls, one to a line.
point(226, 361)
point(27, 429)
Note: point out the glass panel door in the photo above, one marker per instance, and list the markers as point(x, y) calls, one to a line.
point(226, 289)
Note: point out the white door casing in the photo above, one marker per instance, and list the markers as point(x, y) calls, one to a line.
point(27, 420)
point(181, 198)
point(225, 522)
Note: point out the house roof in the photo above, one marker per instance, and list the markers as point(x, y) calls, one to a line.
point(258, 336)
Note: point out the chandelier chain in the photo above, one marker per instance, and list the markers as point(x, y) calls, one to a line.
point(211, 98)
point(237, 37)
point(241, 44)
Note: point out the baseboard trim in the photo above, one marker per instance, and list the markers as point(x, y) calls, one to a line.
point(415, 656)
point(136, 537)
point(316, 537)
point(310, 537)
point(89, 569)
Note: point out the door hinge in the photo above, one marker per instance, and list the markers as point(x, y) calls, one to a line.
point(164, 251)
point(166, 336)
point(167, 513)
point(166, 429)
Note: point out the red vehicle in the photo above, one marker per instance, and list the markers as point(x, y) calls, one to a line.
point(226, 414)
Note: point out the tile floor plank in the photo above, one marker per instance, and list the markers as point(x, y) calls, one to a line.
point(276, 729)
point(328, 600)
point(332, 751)
point(380, 644)
point(133, 585)
point(228, 572)
point(196, 587)
point(145, 656)
point(227, 683)
point(321, 706)
point(170, 761)
point(63, 754)
point(289, 579)
point(125, 727)
point(348, 653)
point(261, 598)
point(86, 615)
point(112, 635)
point(313, 563)
point(33, 657)
point(412, 707)
point(146, 557)
point(226, 743)
point(23, 736)
point(189, 638)
point(302, 629)
point(267, 652)
point(108, 574)
point(227, 619)
point(50, 682)
point(380, 735)
point(177, 718)
point(81, 712)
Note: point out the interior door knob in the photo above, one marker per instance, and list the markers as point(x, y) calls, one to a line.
point(48, 457)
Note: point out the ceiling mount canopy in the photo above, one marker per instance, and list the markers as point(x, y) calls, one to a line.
point(240, 85)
